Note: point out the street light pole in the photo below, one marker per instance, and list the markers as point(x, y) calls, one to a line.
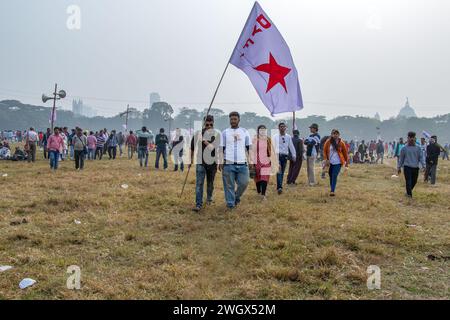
point(56, 96)
point(126, 121)
point(54, 104)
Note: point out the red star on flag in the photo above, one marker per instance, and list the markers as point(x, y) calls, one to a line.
point(276, 73)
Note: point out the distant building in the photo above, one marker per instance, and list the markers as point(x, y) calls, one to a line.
point(154, 97)
point(407, 111)
point(80, 109)
point(77, 107)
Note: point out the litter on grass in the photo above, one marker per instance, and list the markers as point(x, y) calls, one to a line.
point(4, 268)
point(27, 282)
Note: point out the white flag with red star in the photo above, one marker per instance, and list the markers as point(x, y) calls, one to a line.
point(264, 56)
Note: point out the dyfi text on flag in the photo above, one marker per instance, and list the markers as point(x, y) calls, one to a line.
point(264, 56)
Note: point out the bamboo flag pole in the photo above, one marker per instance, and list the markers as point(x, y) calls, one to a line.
point(293, 122)
point(207, 114)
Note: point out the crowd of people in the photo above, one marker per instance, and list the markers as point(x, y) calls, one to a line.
point(239, 156)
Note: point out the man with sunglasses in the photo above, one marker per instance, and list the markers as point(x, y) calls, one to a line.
point(285, 150)
point(205, 147)
point(235, 143)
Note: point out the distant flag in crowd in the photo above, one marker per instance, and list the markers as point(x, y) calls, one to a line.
point(264, 56)
point(426, 134)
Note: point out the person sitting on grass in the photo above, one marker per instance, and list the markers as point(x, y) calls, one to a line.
point(5, 153)
point(19, 155)
point(357, 158)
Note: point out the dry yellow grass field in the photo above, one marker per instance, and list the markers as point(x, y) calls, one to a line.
point(144, 242)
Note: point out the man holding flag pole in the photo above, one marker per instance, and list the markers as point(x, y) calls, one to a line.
point(263, 55)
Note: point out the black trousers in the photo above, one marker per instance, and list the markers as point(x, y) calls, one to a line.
point(112, 152)
point(79, 159)
point(294, 169)
point(411, 175)
point(261, 187)
point(99, 153)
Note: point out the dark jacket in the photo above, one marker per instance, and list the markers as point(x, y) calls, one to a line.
point(433, 152)
point(380, 148)
point(313, 141)
point(298, 145)
point(161, 140)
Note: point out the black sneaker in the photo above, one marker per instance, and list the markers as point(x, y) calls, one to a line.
point(280, 191)
point(197, 209)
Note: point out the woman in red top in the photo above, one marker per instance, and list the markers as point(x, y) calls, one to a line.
point(262, 157)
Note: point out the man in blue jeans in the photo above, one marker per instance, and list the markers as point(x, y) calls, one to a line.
point(285, 149)
point(236, 143)
point(161, 148)
point(205, 145)
point(143, 139)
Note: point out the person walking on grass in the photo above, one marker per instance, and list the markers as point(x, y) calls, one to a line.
point(235, 174)
point(31, 140)
point(130, 143)
point(112, 143)
point(312, 150)
point(177, 150)
point(432, 158)
point(336, 155)
point(205, 148)
point(120, 142)
point(92, 145)
point(106, 136)
point(445, 152)
point(285, 149)
point(70, 137)
point(161, 148)
point(295, 166)
point(410, 159)
point(398, 149)
point(362, 149)
point(143, 139)
point(263, 156)
point(55, 145)
point(47, 135)
point(79, 142)
point(100, 145)
point(380, 151)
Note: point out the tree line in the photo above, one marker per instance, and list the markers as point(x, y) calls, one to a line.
point(17, 116)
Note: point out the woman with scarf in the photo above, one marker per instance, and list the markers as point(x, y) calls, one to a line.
point(264, 160)
point(336, 156)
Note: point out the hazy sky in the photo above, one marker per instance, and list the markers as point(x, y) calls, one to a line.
point(353, 56)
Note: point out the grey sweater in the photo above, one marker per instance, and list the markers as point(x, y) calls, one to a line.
point(411, 156)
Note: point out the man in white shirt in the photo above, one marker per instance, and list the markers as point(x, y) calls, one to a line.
point(31, 140)
point(235, 143)
point(283, 147)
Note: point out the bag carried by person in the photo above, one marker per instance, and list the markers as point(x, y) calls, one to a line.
point(252, 172)
point(85, 149)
